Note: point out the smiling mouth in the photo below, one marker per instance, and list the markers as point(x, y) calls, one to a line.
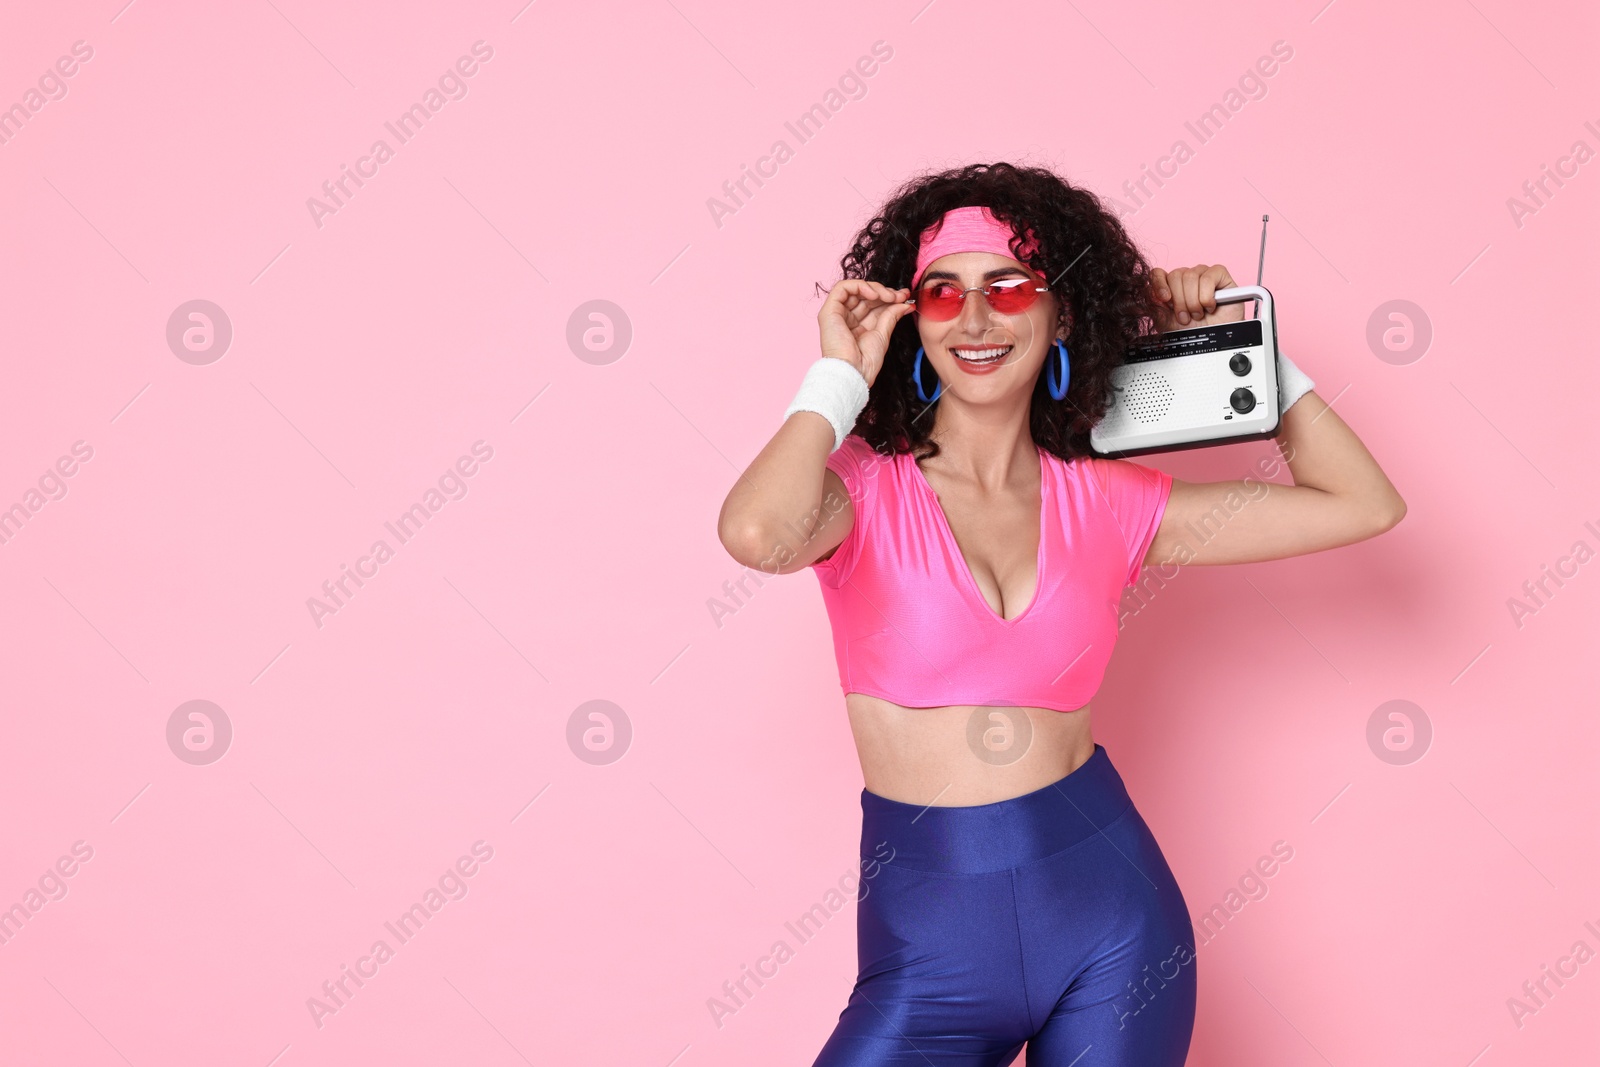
point(981, 355)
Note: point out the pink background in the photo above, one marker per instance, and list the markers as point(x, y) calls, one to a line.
point(431, 311)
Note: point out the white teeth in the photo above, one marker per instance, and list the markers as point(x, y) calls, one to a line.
point(981, 355)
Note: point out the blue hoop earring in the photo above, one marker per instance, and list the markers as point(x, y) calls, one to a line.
point(916, 378)
point(1062, 376)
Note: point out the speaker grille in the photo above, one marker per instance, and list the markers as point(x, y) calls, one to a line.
point(1148, 398)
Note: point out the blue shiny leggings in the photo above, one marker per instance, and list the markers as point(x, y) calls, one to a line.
point(1050, 919)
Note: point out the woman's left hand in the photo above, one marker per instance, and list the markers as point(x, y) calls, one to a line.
point(1186, 297)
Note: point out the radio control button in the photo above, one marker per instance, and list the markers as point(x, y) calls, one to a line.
point(1239, 364)
point(1243, 400)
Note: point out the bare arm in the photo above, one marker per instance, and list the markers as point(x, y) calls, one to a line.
point(1340, 496)
point(787, 510)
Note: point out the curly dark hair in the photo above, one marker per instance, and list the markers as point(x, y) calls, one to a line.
point(1098, 276)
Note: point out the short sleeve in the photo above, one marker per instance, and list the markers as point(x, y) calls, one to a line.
point(1138, 498)
point(859, 467)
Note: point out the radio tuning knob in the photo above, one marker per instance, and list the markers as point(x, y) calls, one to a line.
point(1239, 364)
point(1243, 400)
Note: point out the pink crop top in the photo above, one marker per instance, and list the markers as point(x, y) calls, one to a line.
point(910, 624)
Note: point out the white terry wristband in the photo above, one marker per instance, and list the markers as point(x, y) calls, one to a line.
point(1292, 383)
point(834, 389)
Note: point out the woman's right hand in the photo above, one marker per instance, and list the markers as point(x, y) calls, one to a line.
point(856, 320)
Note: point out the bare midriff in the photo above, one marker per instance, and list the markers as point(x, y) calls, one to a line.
point(964, 754)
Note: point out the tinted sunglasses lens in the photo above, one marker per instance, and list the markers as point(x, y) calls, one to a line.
point(1012, 296)
point(939, 301)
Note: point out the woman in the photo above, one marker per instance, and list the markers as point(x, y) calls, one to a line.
point(972, 554)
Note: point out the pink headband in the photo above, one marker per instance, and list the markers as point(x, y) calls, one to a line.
point(969, 229)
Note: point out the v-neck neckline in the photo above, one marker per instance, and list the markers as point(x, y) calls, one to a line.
point(948, 532)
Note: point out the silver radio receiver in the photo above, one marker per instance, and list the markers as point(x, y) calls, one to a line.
point(1205, 385)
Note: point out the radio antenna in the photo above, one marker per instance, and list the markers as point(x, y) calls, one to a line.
point(1261, 264)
